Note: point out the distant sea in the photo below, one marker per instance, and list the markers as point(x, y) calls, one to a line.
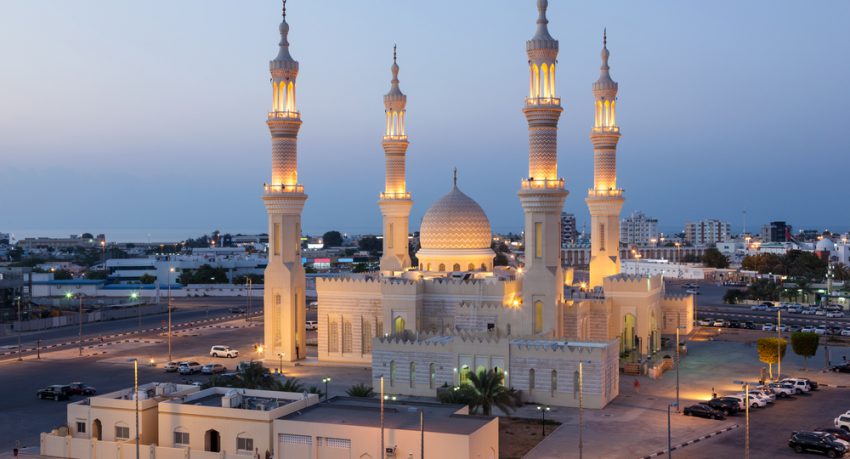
point(128, 235)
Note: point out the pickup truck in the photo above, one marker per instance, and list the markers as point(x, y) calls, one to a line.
point(55, 392)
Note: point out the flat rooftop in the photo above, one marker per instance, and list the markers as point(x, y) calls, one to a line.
point(246, 402)
point(402, 415)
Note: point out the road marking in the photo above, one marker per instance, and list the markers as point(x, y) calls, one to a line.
point(691, 442)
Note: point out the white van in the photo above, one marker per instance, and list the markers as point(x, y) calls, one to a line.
point(312, 325)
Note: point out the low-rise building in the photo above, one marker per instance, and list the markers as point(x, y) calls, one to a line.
point(707, 232)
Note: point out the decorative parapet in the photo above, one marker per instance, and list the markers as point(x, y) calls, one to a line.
point(588, 347)
point(594, 193)
point(531, 184)
point(282, 188)
point(542, 101)
point(394, 196)
point(288, 115)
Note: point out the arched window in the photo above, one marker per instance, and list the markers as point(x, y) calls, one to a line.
point(366, 334)
point(428, 267)
point(531, 381)
point(464, 374)
point(535, 81)
point(456, 267)
point(470, 267)
point(538, 316)
point(333, 336)
point(545, 79)
point(442, 267)
point(552, 80)
point(392, 373)
point(554, 384)
point(432, 376)
point(412, 375)
point(346, 337)
point(613, 113)
point(398, 325)
point(483, 267)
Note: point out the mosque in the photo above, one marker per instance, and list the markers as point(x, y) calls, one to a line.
point(426, 326)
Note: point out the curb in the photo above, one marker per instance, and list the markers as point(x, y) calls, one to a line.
point(833, 386)
point(687, 443)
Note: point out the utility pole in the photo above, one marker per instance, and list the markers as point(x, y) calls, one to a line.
point(383, 451)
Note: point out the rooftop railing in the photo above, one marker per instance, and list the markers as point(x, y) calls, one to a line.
point(606, 129)
point(553, 184)
point(395, 137)
point(543, 101)
point(284, 115)
point(404, 195)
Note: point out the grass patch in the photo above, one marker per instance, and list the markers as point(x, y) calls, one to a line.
point(517, 436)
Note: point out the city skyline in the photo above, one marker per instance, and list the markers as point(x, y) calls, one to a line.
point(197, 101)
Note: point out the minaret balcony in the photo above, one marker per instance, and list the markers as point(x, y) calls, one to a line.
point(395, 138)
point(612, 192)
point(550, 184)
point(284, 115)
point(395, 196)
point(606, 130)
point(282, 188)
point(545, 101)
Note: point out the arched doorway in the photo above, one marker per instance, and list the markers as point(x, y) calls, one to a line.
point(212, 441)
point(97, 430)
point(628, 338)
point(398, 325)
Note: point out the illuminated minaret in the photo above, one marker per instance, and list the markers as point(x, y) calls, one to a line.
point(395, 202)
point(542, 193)
point(604, 200)
point(283, 299)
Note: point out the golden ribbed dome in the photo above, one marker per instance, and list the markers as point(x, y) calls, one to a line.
point(455, 221)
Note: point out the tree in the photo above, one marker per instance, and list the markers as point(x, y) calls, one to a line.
point(371, 244)
point(96, 274)
point(243, 279)
point(805, 344)
point(332, 239)
point(360, 268)
point(733, 296)
point(488, 391)
point(763, 289)
point(62, 274)
point(771, 350)
point(500, 260)
point(763, 263)
point(714, 259)
point(147, 279)
point(360, 390)
point(205, 274)
point(292, 385)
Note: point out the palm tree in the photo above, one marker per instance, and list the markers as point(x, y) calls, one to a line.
point(291, 385)
point(360, 390)
point(488, 390)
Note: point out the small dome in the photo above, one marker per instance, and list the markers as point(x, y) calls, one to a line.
point(825, 245)
point(455, 221)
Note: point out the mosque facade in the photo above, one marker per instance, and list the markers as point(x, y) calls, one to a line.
point(430, 325)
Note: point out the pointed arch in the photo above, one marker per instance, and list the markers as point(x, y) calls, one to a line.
point(552, 80)
point(544, 77)
point(535, 81)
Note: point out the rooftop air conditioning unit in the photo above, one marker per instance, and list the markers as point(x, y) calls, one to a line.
point(390, 451)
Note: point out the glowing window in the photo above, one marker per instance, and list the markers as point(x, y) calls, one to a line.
point(538, 240)
point(538, 316)
point(390, 236)
point(276, 239)
point(531, 379)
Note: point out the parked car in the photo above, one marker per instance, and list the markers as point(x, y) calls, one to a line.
point(808, 329)
point(768, 398)
point(820, 330)
point(704, 322)
point(782, 328)
point(840, 434)
point(767, 303)
point(725, 405)
point(813, 385)
point(187, 368)
point(312, 325)
point(845, 331)
point(223, 351)
point(237, 310)
point(703, 411)
point(834, 314)
point(842, 422)
point(78, 388)
point(799, 385)
point(720, 323)
point(820, 312)
point(843, 368)
point(753, 401)
point(750, 325)
point(756, 307)
point(808, 311)
point(768, 327)
point(735, 324)
point(213, 368)
point(782, 390)
point(55, 392)
point(692, 291)
point(794, 328)
point(170, 367)
point(818, 442)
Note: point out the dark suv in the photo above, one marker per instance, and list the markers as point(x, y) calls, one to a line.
point(726, 406)
point(56, 392)
point(818, 442)
point(78, 388)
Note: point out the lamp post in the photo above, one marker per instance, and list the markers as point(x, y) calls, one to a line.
point(543, 410)
point(326, 381)
point(669, 436)
point(383, 452)
point(170, 274)
point(746, 385)
point(18, 299)
point(280, 364)
point(778, 345)
point(136, 397)
point(79, 295)
point(580, 409)
point(135, 296)
point(677, 366)
point(250, 285)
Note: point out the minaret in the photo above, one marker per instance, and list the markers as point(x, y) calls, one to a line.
point(395, 202)
point(542, 193)
point(604, 200)
point(283, 299)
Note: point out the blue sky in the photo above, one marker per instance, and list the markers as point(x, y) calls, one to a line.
point(148, 117)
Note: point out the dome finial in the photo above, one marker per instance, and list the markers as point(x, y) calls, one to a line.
point(284, 9)
point(605, 37)
point(454, 179)
point(394, 52)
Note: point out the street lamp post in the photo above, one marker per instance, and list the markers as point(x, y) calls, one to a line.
point(677, 366)
point(669, 436)
point(778, 345)
point(580, 409)
point(18, 299)
point(746, 385)
point(280, 364)
point(543, 410)
point(170, 274)
point(79, 295)
point(250, 285)
point(136, 397)
point(326, 381)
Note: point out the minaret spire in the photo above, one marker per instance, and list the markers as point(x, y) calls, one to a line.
point(454, 180)
point(395, 202)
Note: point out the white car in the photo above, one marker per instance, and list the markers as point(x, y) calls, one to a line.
point(820, 312)
point(800, 385)
point(311, 325)
point(808, 329)
point(754, 401)
point(768, 327)
point(842, 422)
point(820, 330)
point(213, 368)
point(223, 351)
point(782, 328)
point(768, 398)
point(704, 323)
point(845, 331)
point(170, 367)
point(187, 368)
point(782, 390)
point(834, 314)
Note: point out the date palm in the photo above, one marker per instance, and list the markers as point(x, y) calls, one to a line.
point(488, 390)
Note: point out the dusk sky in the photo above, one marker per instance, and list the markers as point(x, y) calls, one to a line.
point(149, 117)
